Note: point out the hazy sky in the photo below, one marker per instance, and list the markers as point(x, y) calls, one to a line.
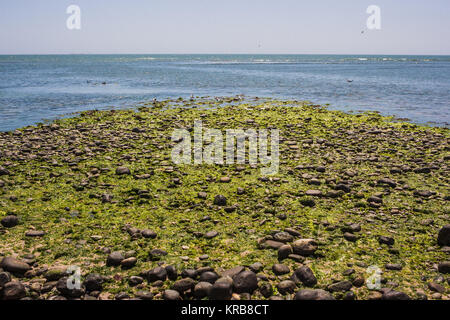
point(231, 26)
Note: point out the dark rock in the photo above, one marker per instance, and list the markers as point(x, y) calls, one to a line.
point(280, 269)
point(123, 171)
point(54, 274)
point(350, 237)
point(201, 290)
point(115, 258)
point(284, 252)
point(436, 287)
point(444, 267)
point(14, 265)
point(256, 267)
point(266, 290)
point(5, 277)
point(286, 287)
point(157, 274)
point(209, 276)
point(171, 295)
point(304, 275)
point(10, 221)
point(232, 272)
point(13, 290)
point(144, 295)
point(149, 234)
point(135, 281)
point(340, 286)
point(221, 290)
point(184, 285)
point(245, 281)
point(395, 295)
point(386, 240)
point(349, 296)
point(172, 273)
point(4, 171)
point(68, 289)
point(94, 282)
point(313, 294)
point(283, 237)
point(189, 273)
point(156, 254)
point(444, 236)
point(220, 200)
point(394, 266)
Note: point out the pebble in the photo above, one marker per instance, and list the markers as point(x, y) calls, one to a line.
point(115, 258)
point(313, 294)
point(14, 265)
point(10, 221)
point(286, 287)
point(305, 276)
point(444, 236)
point(171, 295)
point(304, 247)
point(13, 290)
point(280, 269)
point(220, 200)
point(245, 281)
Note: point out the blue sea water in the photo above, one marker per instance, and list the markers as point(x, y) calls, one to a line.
point(33, 88)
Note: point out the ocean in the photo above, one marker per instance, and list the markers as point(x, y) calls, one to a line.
point(44, 87)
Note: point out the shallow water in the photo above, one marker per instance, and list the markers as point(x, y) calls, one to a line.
point(33, 88)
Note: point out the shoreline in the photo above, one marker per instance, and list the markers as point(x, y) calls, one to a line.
point(99, 191)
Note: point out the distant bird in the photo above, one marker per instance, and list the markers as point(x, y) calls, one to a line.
point(154, 100)
point(349, 80)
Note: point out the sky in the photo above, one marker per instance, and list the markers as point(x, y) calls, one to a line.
point(231, 26)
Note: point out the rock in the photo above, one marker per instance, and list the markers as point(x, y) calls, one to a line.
point(352, 228)
point(144, 295)
point(221, 290)
point(123, 171)
point(245, 281)
point(13, 290)
point(184, 285)
point(386, 181)
point(202, 195)
point(5, 277)
point(394, 266)
point(266, 290)
point(35, 233)
point(56, 273)
point(135, 281)
point(189, 273)
point(171, 295)
point(304, 247)
point(286, 287)
point(201, 290)
point(4, 171)
point(349, 296)
point(14, 265)
point(304, 275)
point(94, 282)
point(107, 198)
point(256, 267)
point(149, 234)
point(284, 252)
point(444, 267)
point(211, 234)
point(233, 271)
point(283, 237)
point(220, 200)
point(340, 286)
point(436, 287)
point(68, 289)
point(209, 276)
point(350, 237)
point(10, 221)
point(157, 274)
point(128, 263)
point(313, 294)
point(314, 193)
point(172, 273)
point(386, 240)
point(114, 259)
point(444, 236)
point(270, 244)
point(280, 269)
point(395, 295)
point(156, 254)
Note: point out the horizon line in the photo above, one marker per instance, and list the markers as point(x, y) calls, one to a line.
point(267, 54)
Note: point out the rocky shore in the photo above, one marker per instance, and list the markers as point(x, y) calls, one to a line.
point(358, 198)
